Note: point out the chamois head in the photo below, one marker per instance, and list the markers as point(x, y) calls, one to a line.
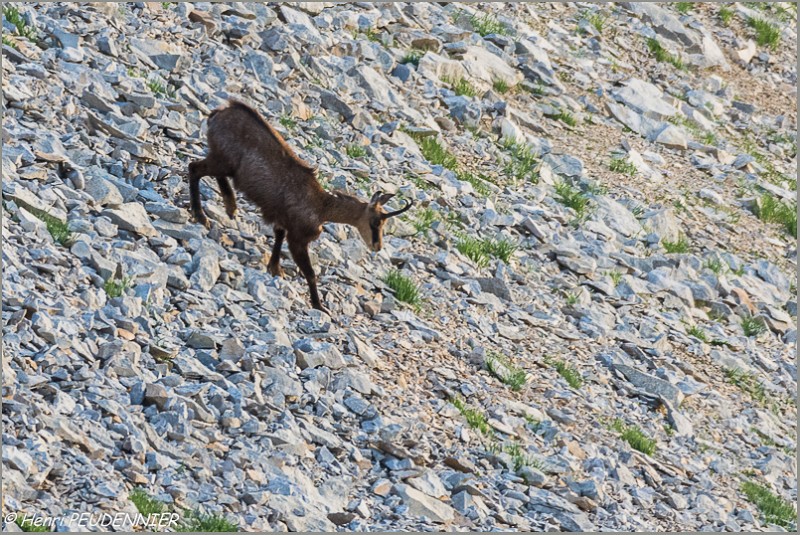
point(370, 224)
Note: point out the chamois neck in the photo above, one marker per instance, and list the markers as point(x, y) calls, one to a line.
point(343, 208)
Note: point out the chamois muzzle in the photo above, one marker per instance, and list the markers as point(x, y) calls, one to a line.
point(405, 208)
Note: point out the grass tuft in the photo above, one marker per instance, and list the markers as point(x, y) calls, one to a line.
point(356, 151)
point(117, 287)
point(684, 7)
point(767, 34)
point(634, 436)
point(461, 86)
point(288, 122)
point(13, 16)
point(663, 55)
point(479, 184)
point(753, 326)
point(424, 220)
point(697, 332)
point(436, 153)
point(405, 289)
point(572, 198)
point(481, 250)
point(725, 15)
point(145, 504)
point(501, 86)
point(413, 56)
point(771, 210)
point(570, 374)
point(197, 522)
point(565, 117)
point(775, 509)
point(522, 164)
point(475, 418)
point(598, 21)
point(747, 382)
point(622, 165)
point(488, 24)
point(679, 246)
point(502, 368)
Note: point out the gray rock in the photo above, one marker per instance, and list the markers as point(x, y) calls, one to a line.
point(652, 385)
point(131, 216)
point(420, 504)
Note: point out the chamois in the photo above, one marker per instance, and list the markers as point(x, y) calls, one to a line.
point(244, 147)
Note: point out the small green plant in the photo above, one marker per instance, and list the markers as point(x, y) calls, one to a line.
point(725, 15)
point(565, 117)
point(117, 287)
point(572, 198)
point(634, 436)
point(155, 85)
point(502, 368)
point(405, 289)
point(58, 229)
point(771, 210)
point(488, 24)
point(424, 219)
point(570, 374)
point(356, 151)
point(709, 138)
point(145, 504)
point(767, 34)
point(474, 249)
point(663, 55)
point(572, 298)
point(196, 522)
point(413, 56)
point(461, 86)
point(747, 382)
point(479, 184)
point(697, 332)
point(775, 509)
point(753, 326)
point(522, 164)
point(34, 525)
point(502, 248)
point(622, 165)
point(475, 418)
point(518, 456)
point(436, 153)
point(13, 16)
point(716, 265)
point(501, 86)
point(616, 276)
point(597, 20)
point(8, 42)
point(681, 245)
point(684, 7)
point(288, 122)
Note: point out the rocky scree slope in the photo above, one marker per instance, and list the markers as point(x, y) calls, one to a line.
point(600, 267)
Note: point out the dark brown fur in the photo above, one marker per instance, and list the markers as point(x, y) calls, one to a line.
point(242, 146)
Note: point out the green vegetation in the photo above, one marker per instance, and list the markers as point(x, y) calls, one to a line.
point(518, 456)
point(679, 246)
point(479, 184)
point(502, 368)
point(573, 198)
point(436, 153)
point(663, 55)
point(709, 138)
point(355, 151)
point(684, 7)
point(155, 85)
point(747, 382)
point(616, 276)
point(565, 117)
point(145, 504)
point(488, 24)
point(501, 86)
point(753, 326)
point(413, 56)
point(404, 288)
point(424, 219)
point(634, 436)
point(767, 34)
point(475, 418)
point(461, 86)
point(725, 15)
point(196, 522)
point(572, 298)
point(117, 287)
point(570, 374)
point(36, 525)
point(697, 332)
point(622, 165)
point(775, 509)
point(480, 251)
point(771, 210)
point(716, 265)
point(57, 228)
point(522, 164)
point(9, 42)
point(288, 122)
point(597, 20)
point(13, 16)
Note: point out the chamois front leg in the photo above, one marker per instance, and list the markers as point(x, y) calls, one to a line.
point(228, 196)
point(300, 254)
point(197, 170)
point(274, 265)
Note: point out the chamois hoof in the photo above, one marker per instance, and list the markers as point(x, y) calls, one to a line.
point(201, 218)
point(276, 271)
point(232, 212)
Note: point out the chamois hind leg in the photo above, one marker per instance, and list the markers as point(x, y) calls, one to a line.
point(274, 265)
point(197, 170)
point(299, 252)
point(228, 196)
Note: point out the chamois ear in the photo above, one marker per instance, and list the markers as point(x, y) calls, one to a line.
point(380, 197)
